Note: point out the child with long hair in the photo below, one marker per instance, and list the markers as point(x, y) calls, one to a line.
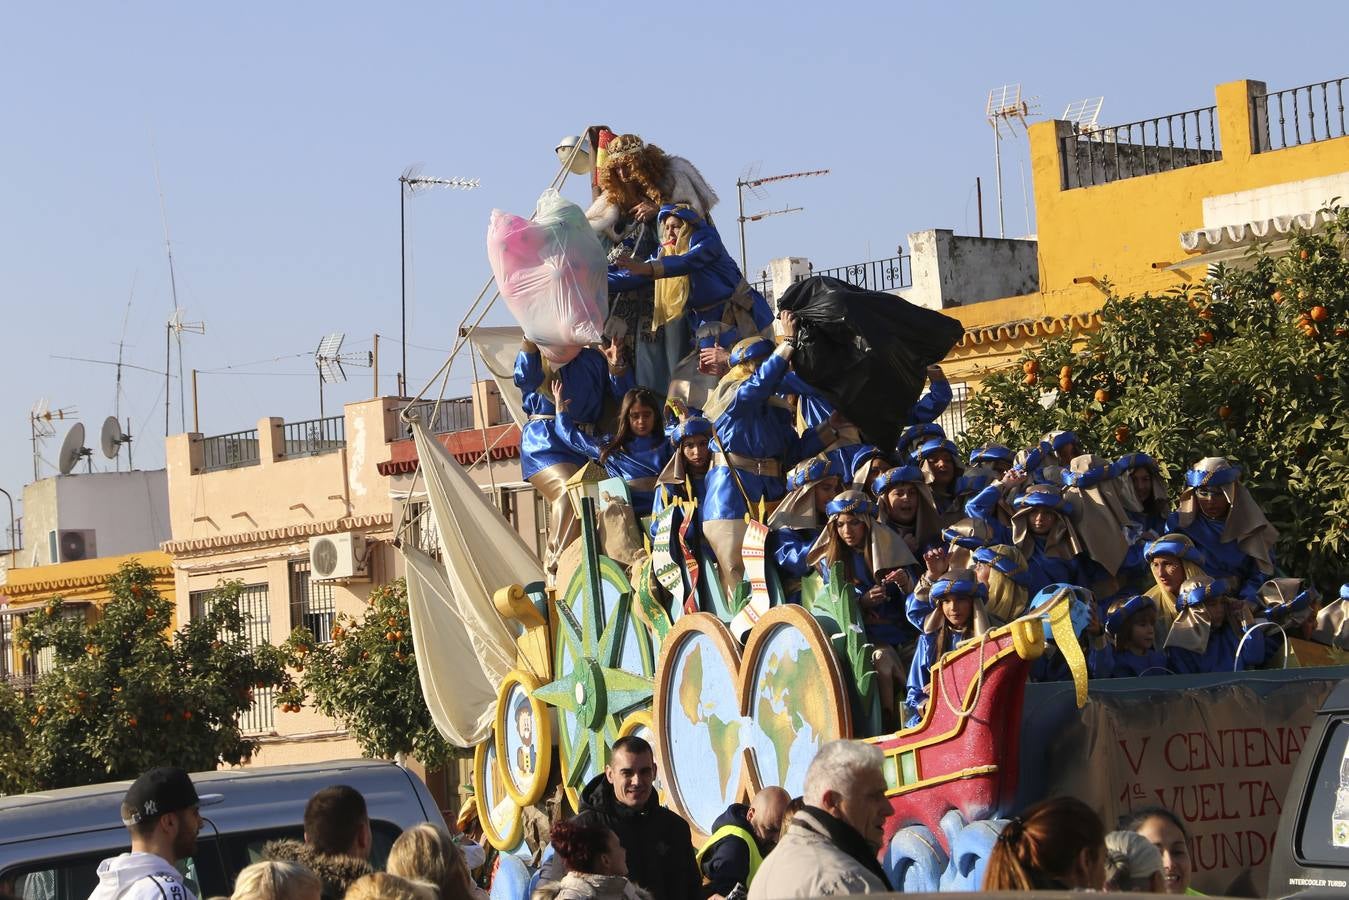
point(636, 452)
point(904, 502)
point(1173, 560)
point(799, 519)
point(1055, 845)
point(1002, 570)
point(1215, 632)
point(1220, 516)
point(1131, 623)
point(957, 615)
point(876, 561)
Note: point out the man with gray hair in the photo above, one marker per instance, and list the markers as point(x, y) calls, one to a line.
point(832, 844)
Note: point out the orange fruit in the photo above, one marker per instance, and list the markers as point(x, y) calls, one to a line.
point(1031, 378)
point(1206, 337)
point(1278, 296)
point(1224, 412)
point(1066, 372)
point(1320, 313)
point(1303, 255)
point(1121, 434)
point(1205, 313)
point(1030, 366)
point(1102, 395)
point(1065, 383)
point(1341, 331)
point(131, 720)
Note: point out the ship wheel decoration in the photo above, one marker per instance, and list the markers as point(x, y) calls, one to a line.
point(602, 663)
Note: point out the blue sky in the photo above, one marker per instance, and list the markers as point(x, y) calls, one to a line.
point(280, 130)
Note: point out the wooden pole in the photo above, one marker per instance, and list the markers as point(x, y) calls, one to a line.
point(374, 362)
point(196, 420)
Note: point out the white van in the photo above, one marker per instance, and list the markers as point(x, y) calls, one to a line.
point(52, 842)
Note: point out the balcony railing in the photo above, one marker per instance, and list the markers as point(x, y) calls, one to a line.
point(1176, 141)
point(453, 414)
point(230, 451)
point(1304, 115)
point(315, 436)
point(892, 274)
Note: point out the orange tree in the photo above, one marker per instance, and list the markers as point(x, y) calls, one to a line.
point(1252, 365)
point(366, 678)
point(123, 694)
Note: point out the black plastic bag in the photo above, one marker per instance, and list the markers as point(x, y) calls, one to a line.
point(866, 351)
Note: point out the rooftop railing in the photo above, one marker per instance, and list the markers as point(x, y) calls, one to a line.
point(230, 451)
point(1300, 115)
point(315, 436)
point(1101, 155)
point(891, 274)
point(453, 414)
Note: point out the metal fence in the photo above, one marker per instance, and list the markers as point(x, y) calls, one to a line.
point(453, 414)
point(1304, 115)
point(1162, 144)
point(892, 274)
point(253, 604)
point(315, 436)
point(952, 420)
point(312, 603)
point(230, 451)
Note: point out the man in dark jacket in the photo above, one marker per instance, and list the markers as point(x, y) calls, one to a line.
point(657, 841)
point(741, 837)
point(337, 840)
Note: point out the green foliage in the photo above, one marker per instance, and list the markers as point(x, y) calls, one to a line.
point(839, 610)
point(1252, 365)
point(124, 696)
point(366, 678)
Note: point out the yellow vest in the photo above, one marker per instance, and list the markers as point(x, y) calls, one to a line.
point(725, 831)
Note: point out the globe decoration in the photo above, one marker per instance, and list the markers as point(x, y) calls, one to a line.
point(602, 662)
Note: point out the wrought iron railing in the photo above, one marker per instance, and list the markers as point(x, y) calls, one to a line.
point(952, 419)
point(892, 274)
point(314, 436)
point(1162, 144)
point(230, 451)
point(1304, 115)
point(453, 414)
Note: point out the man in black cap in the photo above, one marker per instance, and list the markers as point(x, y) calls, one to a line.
point(161, 812)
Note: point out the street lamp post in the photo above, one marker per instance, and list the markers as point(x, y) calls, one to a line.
point(13, 529)
point(411, 182)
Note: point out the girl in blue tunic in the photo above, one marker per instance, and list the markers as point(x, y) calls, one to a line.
point(800, 518)
point(754, 443)
point(877, 563)
point(957, 616)
point(1131, 623)
point(546, 461)
point(685, 475)
point(1212, 629)
point(904, 502)
point(636, 452)
point(1220, 516)
point(1042, 529)
point(940, 461)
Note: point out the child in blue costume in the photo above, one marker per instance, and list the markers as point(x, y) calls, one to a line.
point(685, 474)
point(1131, 623)
point(1064, 445)
point(904, 502)
point(957, 615)
point(876, 562)
point(1086, 613)
point(1148, 506)
point(1210, 631)
point(695, 276)
point(800, 518)
point(1220, 516)
point(636, 452)
point(940, 461)
point(1042, 529)
point(994, 456)
point(546, 461)
point(753, 445)
point(1290, 605)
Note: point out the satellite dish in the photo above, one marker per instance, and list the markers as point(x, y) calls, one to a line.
point(112, 437)
point(73, 449)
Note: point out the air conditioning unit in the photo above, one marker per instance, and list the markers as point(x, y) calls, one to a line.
point(75, 543)
point(334, 557)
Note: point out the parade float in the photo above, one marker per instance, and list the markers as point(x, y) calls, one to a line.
point(632, 632)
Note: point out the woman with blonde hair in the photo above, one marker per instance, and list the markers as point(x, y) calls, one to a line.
point(274, 880)
point(427, 853)
point(1174, 560)
point(383, 886)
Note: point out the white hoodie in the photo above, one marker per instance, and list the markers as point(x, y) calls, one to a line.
point(139, 876)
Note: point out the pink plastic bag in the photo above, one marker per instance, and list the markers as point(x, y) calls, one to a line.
point(552, 273)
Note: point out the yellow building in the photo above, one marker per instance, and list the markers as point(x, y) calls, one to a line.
point(83, 585)
point(1148, 205)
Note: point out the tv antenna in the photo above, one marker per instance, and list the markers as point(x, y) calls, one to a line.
point(40, 422)
point(73, 450)
point(173, 332)
point(749, 181)
point(1083, 114)
point(412, 181)
point(1004, 110)
point(112, 437)
point(329, 359)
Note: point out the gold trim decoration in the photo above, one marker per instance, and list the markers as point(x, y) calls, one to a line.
point(540, 764)
point(510, 839)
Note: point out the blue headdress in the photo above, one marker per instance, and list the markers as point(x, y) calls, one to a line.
point(1123, 610)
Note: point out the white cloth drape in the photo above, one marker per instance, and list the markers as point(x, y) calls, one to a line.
point(498, 347)
point(465, 648)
